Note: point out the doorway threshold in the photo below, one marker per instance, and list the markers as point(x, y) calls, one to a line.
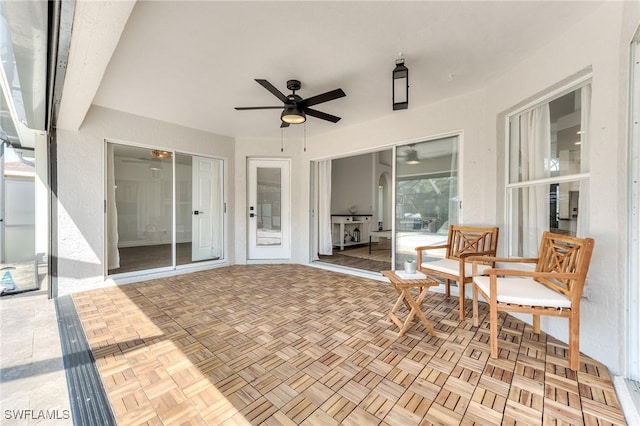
point(348, 270)
point(629, 395)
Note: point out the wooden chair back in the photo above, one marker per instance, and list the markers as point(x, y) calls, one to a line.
point(568, 258)
point(470, 240)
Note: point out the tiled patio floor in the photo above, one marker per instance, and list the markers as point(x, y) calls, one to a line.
point(289, 344)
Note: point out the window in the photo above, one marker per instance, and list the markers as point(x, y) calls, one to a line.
point(426, 194)
point(548, 170)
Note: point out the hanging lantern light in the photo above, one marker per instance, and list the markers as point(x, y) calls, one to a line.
point(400, 85)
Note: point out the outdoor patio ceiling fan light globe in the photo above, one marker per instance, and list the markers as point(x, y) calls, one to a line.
point(412, 158)
point(293, 115)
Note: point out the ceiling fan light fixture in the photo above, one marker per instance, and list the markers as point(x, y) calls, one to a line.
point(293, 115)
point(156, 153)
point(412, 158)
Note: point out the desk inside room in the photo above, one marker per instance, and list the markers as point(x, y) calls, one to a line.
point(344, 225)
point(384, 233)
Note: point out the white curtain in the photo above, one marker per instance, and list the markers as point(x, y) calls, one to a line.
point(113, 255)
point(583, 200)
point(454, 201)
point(535, 154)
point(325, 245)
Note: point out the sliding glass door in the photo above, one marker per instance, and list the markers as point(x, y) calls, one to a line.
point(426, 195)
point(164, 209)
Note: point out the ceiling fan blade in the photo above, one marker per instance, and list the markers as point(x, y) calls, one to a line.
point(270, 87)
point(321, 115)
point(324, 97)
point(262, 107)
point(284, 124)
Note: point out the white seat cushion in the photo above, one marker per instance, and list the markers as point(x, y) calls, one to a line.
point(451, 266)
point(524, 291)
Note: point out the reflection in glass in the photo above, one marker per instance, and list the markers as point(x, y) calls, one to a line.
point(268, 209)
point(426, 195)
point(140, 208)
point(18, 265)
point(538, 208)
point(546, 141)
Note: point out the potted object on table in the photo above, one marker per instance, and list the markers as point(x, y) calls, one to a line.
point(410, 266)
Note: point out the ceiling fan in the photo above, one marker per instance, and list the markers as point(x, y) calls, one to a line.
point(295, 108)
point(410, 156)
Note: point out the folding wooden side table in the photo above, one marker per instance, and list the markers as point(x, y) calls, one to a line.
point(403, 285)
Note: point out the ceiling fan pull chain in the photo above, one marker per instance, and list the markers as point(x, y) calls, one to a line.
point(305, 136)
point(281, 140)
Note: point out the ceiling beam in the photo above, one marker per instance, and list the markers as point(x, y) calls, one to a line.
point(97, 28)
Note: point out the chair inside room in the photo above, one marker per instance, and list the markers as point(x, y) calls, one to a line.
point(554, 288)
point(462, 242)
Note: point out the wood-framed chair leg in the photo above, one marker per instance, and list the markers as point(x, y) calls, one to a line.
point(536, 324)
point(493, 329)
point(461, 299)
point(574, 341)
point(447, 287)
point(474, 292)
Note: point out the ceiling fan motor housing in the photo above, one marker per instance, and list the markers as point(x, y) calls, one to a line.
point(294, 85)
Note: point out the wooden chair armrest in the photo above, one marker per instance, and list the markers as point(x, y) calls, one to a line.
point(532, 274)
point(491, 260)
point(485, 259)
point(422, 248)
point(482, 254)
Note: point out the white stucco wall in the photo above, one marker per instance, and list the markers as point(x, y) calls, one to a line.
point(81, 185)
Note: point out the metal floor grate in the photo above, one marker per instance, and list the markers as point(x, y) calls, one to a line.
point(89, 402)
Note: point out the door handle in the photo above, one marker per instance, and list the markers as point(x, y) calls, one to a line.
point(198, 212)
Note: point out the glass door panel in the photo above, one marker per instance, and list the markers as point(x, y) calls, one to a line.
point(269, 209)
point(426, 195)
point(139, 208)
point(199, 209)
point(269, 206)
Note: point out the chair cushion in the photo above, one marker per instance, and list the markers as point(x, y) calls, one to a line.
point(524, 291)
point(451, 266)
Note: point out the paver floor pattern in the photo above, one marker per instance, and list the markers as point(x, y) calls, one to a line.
point(290, 344)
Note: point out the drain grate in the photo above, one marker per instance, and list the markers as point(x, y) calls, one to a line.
point(89, 402)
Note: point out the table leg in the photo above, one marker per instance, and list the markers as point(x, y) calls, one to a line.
point(415, 309)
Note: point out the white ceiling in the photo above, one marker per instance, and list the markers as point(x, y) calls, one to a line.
point(191, 63)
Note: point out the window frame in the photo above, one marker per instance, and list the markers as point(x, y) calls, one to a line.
point(509, 187)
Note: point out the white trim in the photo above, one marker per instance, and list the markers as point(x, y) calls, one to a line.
point(633, 301)
point(152, 274)
point(554, 94)
point(557, 179)
point(390, 146)
point(629, 408)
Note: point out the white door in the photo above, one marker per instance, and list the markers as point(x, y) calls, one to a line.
point(206, 231)
point(269, 209)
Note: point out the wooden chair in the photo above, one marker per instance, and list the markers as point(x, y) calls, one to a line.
point(554, 288)
point(462, 242)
